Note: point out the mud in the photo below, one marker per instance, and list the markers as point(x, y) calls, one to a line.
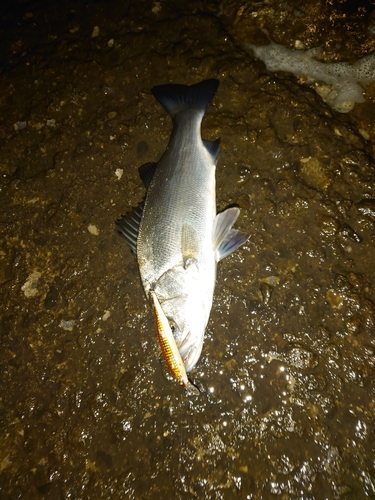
point(87, 409)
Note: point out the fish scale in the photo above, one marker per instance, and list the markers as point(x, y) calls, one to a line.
point(187, 190)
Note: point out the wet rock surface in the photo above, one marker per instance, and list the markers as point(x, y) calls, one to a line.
point(286, 408)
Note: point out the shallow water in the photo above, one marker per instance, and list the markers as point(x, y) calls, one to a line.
point(88, 410)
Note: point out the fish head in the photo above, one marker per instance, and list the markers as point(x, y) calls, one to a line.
point(187, 310)
point(187, 322)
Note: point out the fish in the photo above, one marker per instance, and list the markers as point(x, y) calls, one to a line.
point(175, 233)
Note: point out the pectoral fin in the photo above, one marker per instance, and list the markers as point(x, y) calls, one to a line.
point(225, 239)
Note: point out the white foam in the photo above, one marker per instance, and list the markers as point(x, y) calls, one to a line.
point(342, 76)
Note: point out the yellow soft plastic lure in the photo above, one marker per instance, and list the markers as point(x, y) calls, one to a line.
point(168, 344)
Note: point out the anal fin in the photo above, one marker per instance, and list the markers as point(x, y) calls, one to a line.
point(225, 239)
point(231, 242)
point(146, 172)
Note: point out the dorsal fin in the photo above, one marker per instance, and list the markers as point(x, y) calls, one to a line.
point(128, 226)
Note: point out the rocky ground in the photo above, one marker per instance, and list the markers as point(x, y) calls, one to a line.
point(87, 409)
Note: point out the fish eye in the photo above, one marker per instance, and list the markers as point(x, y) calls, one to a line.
point(173, 326)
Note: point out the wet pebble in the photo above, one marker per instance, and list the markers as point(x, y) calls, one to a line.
point(348, 233)
point(367, 207)
point(20, 125)
point(328, 225)
point(324, 403)
point(314, 381)
point(299, 357)
point(315, 174)
point(95, 32)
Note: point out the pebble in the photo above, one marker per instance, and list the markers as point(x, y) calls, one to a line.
point(93, 229)
point(30, 286)
point(19, 126)
point(95, 32)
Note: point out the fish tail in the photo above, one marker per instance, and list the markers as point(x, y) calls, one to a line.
point(176, 98)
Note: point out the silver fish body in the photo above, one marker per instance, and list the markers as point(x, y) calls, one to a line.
point(180, 237)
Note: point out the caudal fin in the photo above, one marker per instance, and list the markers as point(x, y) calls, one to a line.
point(175, 98)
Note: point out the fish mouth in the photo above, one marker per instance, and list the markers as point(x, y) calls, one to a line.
point(168, 343)
point(190, 353)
